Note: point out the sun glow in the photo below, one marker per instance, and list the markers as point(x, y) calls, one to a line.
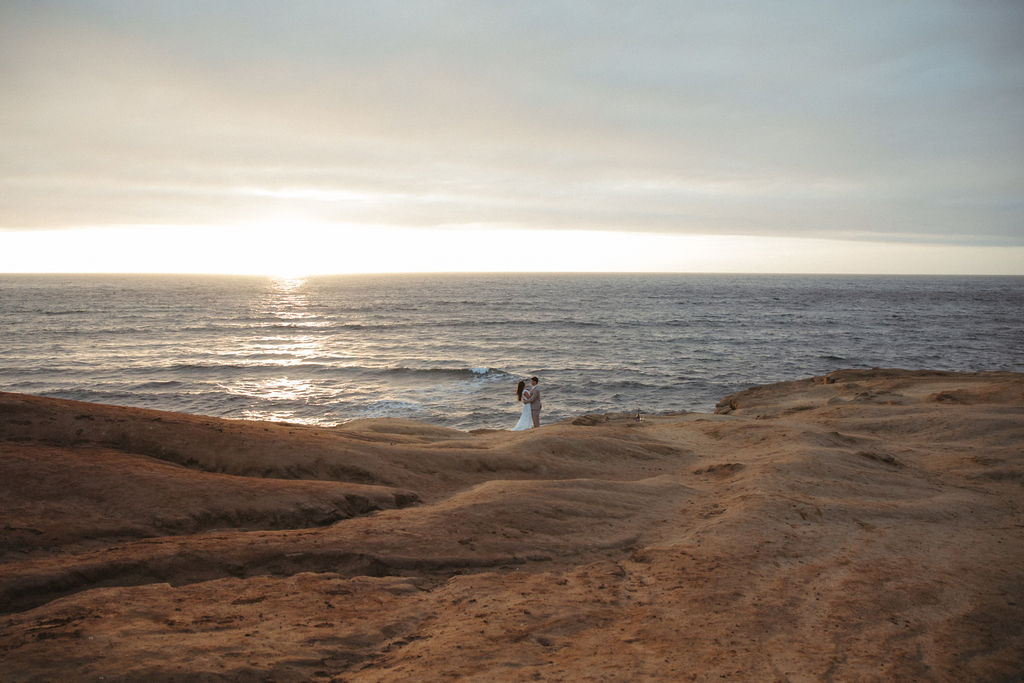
point(290, 249)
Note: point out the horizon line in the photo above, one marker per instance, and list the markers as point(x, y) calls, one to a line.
point(504, 272)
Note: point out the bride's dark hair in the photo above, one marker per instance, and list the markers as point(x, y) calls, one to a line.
point(519, 389)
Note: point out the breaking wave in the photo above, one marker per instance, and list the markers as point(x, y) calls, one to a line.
point(450, 350)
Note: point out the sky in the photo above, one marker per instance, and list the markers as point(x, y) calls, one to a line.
point(335, 137)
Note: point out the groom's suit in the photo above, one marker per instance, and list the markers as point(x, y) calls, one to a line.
point(535, 404)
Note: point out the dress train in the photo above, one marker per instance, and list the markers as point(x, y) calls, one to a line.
point(525, 420)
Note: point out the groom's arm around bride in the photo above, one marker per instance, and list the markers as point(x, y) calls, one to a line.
point(534, 400)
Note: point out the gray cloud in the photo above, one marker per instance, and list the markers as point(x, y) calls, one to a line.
point(884, 120)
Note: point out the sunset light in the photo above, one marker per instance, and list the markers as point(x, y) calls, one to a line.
point(294, 249)
point(147, 137)
point(567, 341)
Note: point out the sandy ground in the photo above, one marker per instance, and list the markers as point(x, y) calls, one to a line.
point(865, 525)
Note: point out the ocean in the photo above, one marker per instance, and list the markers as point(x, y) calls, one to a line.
point(449, 349)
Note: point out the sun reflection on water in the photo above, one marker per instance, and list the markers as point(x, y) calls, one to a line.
point(284, 416)
point(277, 389)
point(281, 351)
point(287, 283)
point(285, 309)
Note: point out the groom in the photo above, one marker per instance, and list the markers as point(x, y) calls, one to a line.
point(534, 401)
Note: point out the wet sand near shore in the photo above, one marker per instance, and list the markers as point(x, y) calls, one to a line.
point(863, 525)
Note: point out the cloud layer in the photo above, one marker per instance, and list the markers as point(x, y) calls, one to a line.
point(878, 121)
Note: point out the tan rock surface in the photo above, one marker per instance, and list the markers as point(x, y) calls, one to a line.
point(866, 525)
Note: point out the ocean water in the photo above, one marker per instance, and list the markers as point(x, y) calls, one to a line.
point(449, 349)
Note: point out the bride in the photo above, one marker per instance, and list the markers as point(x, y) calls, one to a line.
point(526, 419)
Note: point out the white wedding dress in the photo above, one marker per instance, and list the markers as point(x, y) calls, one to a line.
point(525, 420)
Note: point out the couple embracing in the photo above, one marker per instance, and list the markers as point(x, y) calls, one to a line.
point(530, 396)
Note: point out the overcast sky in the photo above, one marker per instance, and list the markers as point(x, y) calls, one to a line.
point(883, 122)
